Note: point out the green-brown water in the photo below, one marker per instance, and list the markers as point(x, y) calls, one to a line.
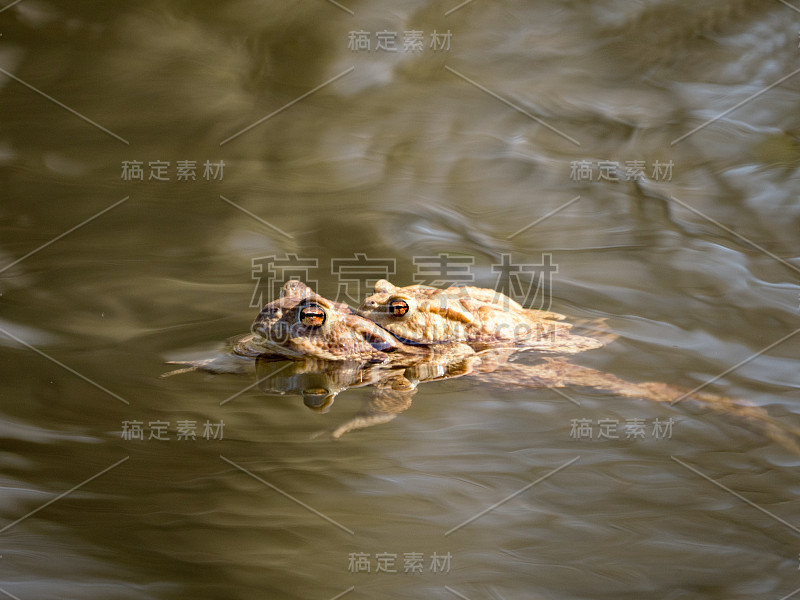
point(407, 154)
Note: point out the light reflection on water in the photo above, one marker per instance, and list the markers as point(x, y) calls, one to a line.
point(399, 158)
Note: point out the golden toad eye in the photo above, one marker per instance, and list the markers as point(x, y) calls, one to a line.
point(398, 308)
point(312, 315)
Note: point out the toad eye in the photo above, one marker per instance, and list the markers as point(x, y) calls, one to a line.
point(398, 308)
point(312, 315)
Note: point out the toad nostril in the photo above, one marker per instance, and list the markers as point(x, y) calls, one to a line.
point(272, 313)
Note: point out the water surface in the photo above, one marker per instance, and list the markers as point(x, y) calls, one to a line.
point(408, 154)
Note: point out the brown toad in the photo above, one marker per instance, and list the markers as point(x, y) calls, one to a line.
point(481, 317)
point(333, 349)
point(301, 325)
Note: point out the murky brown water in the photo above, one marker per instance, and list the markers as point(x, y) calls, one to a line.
point(406, 154)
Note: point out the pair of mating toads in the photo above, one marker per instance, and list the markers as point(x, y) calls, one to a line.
point(401, 337)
